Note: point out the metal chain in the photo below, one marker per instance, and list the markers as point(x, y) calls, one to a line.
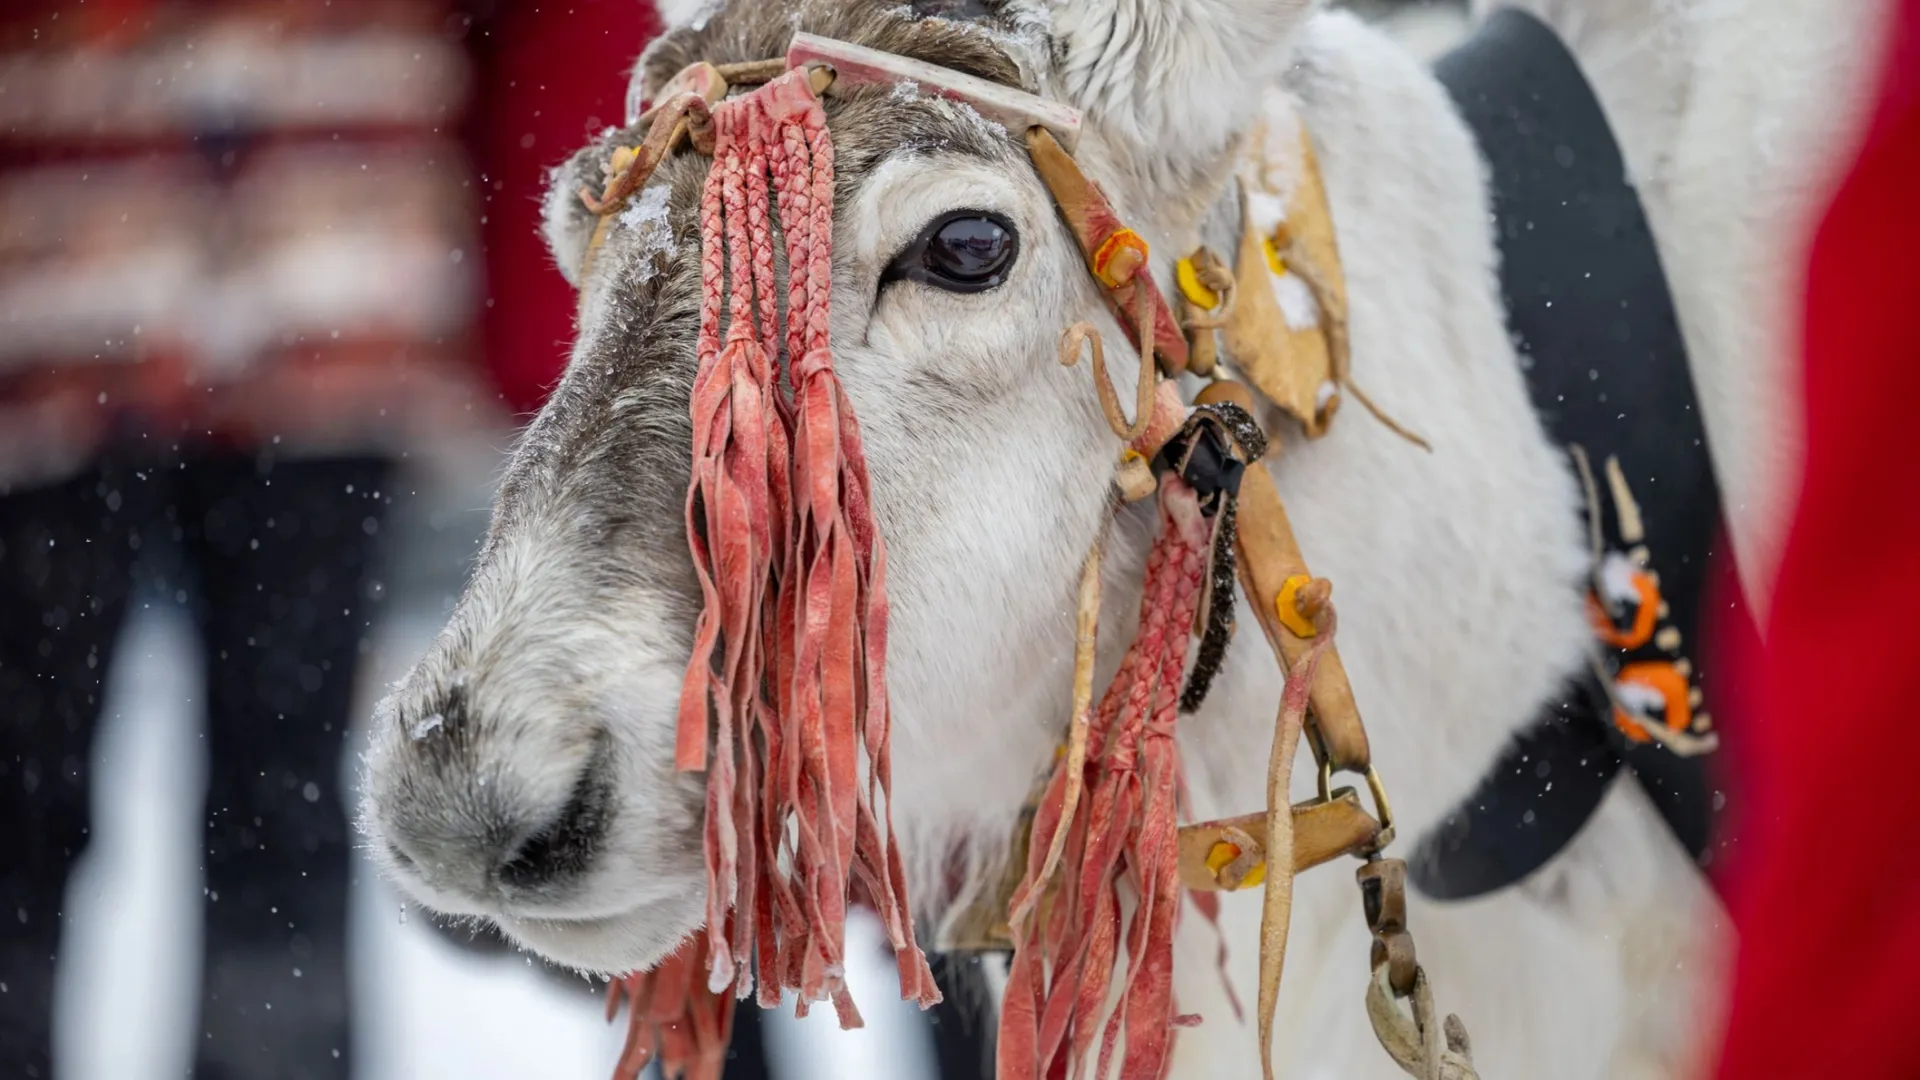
point(1423, 1048)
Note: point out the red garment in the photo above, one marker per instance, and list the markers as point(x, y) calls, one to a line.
point(549, 78)
point(1829, 914)
point(253, 222)
point(233, 222)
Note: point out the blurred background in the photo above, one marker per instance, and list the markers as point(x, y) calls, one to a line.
point(272, 304)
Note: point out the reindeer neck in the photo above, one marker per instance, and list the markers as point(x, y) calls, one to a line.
point(1643, 59)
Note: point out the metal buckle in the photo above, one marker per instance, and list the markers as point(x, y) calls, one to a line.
point(1211, 451)
point(1376, 790)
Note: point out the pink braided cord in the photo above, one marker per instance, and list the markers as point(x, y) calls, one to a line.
point(1126, 824)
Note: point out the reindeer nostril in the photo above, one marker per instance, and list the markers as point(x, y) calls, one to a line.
point(566, 846)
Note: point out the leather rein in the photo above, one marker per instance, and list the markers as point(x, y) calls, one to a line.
point(1223, 522)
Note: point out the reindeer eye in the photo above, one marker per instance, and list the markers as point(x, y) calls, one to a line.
point(963, 251)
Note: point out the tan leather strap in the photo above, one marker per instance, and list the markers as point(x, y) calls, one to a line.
point(1269, 558)
point(1115, 254)
point(1292, 608)
point(1322, 832)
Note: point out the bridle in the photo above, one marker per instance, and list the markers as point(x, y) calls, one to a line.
point(793, 570)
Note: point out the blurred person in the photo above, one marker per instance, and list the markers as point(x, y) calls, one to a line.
point(1828, 940)
point(237, 282)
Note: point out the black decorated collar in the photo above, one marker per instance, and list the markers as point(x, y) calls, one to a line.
point(1591, 315)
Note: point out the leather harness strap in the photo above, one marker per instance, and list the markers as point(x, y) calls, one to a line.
point(1116, 255)
point(1270, 559)
point(1322, 832)
point(1589, 308)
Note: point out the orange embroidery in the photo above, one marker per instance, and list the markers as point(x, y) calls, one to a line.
point(1644, 617)
point(1666, 679)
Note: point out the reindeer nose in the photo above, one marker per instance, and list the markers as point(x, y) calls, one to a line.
point(501, 840)
point(564, 847)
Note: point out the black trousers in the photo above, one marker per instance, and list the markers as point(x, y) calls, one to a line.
point(273, 561)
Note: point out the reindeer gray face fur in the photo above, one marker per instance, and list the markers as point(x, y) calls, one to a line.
point(522, 772)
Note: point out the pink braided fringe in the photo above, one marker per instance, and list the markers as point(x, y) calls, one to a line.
point(1126, 822)
point(790, 648)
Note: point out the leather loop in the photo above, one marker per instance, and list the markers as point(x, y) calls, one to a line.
point(1424, 1046)
point(688, 116)
point(1394, 950)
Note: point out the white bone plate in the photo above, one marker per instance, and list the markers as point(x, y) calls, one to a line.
point(857, 65)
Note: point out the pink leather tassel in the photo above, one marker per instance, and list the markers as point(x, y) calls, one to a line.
point(1123, 828)
point(785, 697)
point(672, 1016)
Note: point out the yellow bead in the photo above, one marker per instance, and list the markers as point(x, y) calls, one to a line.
point(1274, 262)
point(1192, 288)
point(1119, 258)
point(1222, 853)
point(1287, 607)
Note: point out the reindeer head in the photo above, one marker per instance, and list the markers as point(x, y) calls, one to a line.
point(523, 771)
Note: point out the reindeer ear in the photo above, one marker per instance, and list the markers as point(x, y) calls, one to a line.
point(1170, 77)
point(565, 220)
point(681, 12)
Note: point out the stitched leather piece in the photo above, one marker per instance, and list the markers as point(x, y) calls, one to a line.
point(1293, 366)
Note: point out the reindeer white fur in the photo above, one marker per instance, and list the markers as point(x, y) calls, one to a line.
point(1456, 573)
